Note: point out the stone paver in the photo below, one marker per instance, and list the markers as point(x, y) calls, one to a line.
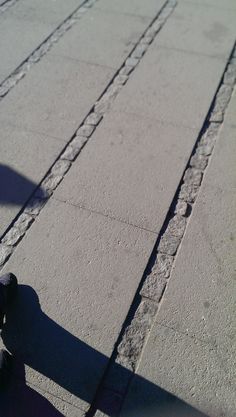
point(200, 30)
point(34, 21)
point(192, 345)
point(72, 258)
point(108, 45)
point(24, 159)
point(55, 96)
point(122, 172)
point(132, 7)
point(178, 90)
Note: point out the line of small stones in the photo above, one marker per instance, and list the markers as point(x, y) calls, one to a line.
point(36, 202)
point(43, 48)
point(5, 6)
point(134, 336)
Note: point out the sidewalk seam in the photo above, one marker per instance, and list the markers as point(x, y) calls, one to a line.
point(141, 317)
point(35, 56)
point(29, 212)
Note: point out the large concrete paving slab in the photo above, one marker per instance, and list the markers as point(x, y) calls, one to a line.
point(25, 26)
point(55, 96)
point(199, 29)
point(192, 348)
point(44, 11)
point(25, 157)
point(134, 7)
point(78, 272)
point(98, 38)
point(124, 171)
point(185, 367)
point(14, 49)
point(227, 4)
point(179, 87)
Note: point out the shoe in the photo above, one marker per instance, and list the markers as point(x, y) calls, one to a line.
point(5, 367)
point(8, 287)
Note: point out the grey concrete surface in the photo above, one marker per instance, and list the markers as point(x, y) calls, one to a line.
point(25, 26)
point(191, 351)
point(199, 29)
point(55, 96)
point(14, 49)
point(132, 7)
point(44, 11)
point(178, 89)
point(124, 170)
point(227, 4)
point(108, 44)
point(25, 157)
point(71, 258)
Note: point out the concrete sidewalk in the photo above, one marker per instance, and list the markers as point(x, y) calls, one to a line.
point(112, 125)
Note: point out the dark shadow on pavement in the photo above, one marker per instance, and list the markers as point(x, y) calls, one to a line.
point(37, 341)
point(15, 189)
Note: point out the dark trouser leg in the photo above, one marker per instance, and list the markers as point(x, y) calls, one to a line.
point(8, 287)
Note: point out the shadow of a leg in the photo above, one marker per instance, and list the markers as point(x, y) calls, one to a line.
point(37, 341)
point(19, 400)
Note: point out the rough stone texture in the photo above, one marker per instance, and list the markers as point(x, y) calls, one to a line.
point(126, 146)
point(169, 244)
point(60, 167)
point(222, 99)
point(192, 176)
point(25, 157)
point(199, 161)
point(178, 90)
point(93, 119)
point(181, 208)
point(85, 130)
point(204, 150)
point(78, 142)
point(139, 51)
point(230, 75)
point(104, 43)
point(209, 32)
point(188, 192)
point(13, 236)
point(70, 153)
point(104, 104)
point(68, 257)
point(146, 40)
point(55, 96)
point(131, 62)
point(34, 206)
point(51, 182)
point(23, 222)
point(210, 134)
point(199, 303)
point(153, 287)
point(135, 334)
point(126, 70)
point(5, 252)
point(121, 79)
point(176, 226)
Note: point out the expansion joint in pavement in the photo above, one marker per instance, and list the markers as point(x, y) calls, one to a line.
point(57, 172)
point(144, 309)
point(6, 5)
point(44, 47)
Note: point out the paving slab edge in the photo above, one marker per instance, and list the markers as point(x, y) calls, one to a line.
point(6, 5)
point(35, 56)
point(30, 211)
point(141, 317)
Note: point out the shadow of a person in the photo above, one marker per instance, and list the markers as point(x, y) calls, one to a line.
point(37, 341)
point(20, 400)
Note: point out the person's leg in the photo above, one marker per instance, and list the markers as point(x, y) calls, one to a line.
point(5, 367)
point(8, 286)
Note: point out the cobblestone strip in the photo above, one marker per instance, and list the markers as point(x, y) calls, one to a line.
point(31, 210)
point(43, 48)
point(127, 354)
point(6, 5)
